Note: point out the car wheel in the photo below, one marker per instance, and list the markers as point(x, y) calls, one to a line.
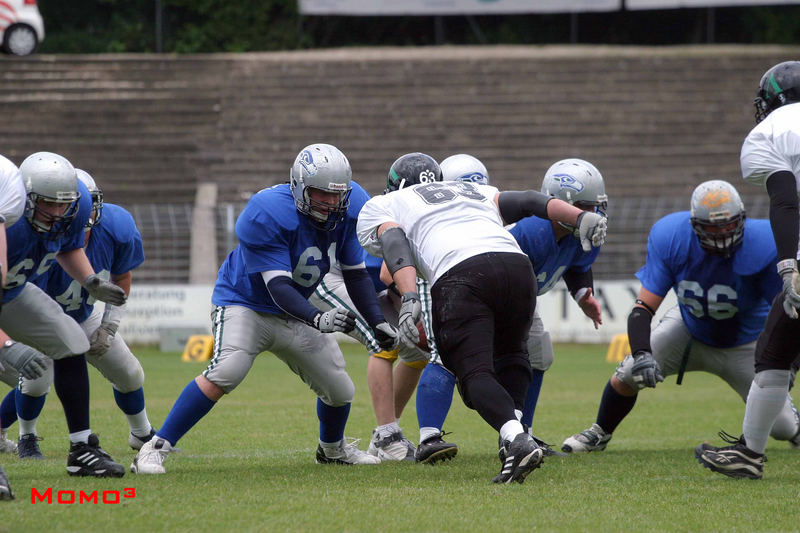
point(20, 40)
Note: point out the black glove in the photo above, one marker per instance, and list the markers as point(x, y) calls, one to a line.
point(645, 370)
point(385, 335)
point(337, 319)
point(29, 362)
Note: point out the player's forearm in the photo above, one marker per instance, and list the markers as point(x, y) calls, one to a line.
point(783, 213)
point(578, 280)
point(123, 281)
point(362, 292)
point(290, 301)
point(76, 264)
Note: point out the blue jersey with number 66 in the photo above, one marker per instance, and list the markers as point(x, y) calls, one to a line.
point(723, 301)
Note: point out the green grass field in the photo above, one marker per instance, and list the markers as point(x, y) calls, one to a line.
point(249, 465)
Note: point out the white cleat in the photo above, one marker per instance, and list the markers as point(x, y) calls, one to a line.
point(345, 454)
point(150, 459)
point(7, 445)
point(593, 439)
point(394, 447)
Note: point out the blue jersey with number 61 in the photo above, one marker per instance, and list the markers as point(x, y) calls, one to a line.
point(723, 301)
point(274, 236)
point(115, 247)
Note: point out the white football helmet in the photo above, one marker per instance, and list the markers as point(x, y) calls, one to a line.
point(97, 197)
point(50, 178)
point(577, 182)
point(464, 167)
point(323, 167)
point(718, 217)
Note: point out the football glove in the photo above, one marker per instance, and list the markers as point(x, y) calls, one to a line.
point(791, 287)
point(337, 319)
point(100, 340)
point(385, 336)
point(591, 230)
point(410, 311)
point(29, 362)
point(645, 370)
point(105, 291)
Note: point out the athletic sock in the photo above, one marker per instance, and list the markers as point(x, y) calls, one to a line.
point(71, 380)
point(332, 421)
point(532, 397)
point(8, 410)
point(189, 408)
point(434, 397)
point(765, 401)
point(132, 404)
point(614, 407)
point(28, 410)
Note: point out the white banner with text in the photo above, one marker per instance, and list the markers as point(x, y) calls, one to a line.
point(451, 7)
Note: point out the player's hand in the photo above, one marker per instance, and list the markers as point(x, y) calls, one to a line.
point(791, 287)
point(410, 311)
point(591, 230)
point(100, 339)
point(337, 319)
point(385, 335)
point(105, 291)
point(28, 361)
point(645, 370)
point(591, 307)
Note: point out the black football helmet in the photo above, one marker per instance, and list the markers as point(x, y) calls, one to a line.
point(779, 85)
point(412, 169)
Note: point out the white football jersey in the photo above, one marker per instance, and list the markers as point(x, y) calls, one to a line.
point(445, 223)
point(772, 146)
point(12, 193)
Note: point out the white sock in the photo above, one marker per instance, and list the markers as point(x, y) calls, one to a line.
point(80, 436)
point(511, 429)
point(139, 424)
point(387, 429)
point(428, 432)
point(27, 426)
point(518, 413)
point(765, 401)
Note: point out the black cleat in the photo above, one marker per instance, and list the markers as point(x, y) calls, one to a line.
point(28, 447)
point(435, 449)
point(89, 459)
point(736, 461)
point(523, 456)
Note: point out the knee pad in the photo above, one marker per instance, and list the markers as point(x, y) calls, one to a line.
point(777, 379)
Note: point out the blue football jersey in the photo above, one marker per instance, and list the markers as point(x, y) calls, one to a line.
point(30, 256)
point(273, 235)
point(550, 258)
point(374, 269)
point(723, 302)
point(115, 247)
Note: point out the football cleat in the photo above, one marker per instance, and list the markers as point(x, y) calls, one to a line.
point(89, 459)
point(7, 445)
point(5, 486)
point(736, 461)
point(547, 449)
point(28, 447)
point(523, 456)
point(150, 459)
point(395, 447)
point(434, 449)
point(345, 454)
point(593, 439)
point(136, 442)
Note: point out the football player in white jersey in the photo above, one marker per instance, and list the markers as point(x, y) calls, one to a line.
point(769, 159)
point(483, 289)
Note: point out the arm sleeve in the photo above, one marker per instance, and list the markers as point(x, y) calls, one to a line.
point(783, 213)
point(578, 280)
point(639, 329)
point(362, 291)
point(290, 301)
point(516, 205)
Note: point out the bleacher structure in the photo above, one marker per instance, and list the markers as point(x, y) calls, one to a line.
point(152, 128)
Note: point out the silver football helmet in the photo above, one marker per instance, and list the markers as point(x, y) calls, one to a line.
point(322, 167)
point(52, 179)
point(97, 197)
point(717, 217)
point(577, 182)
point(464, 167)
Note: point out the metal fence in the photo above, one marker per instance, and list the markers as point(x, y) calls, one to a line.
point(166, 232)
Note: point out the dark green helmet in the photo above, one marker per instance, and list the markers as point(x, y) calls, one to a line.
point(779, 85)
point(412, 169)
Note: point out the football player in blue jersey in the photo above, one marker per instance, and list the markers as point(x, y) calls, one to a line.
point(289, 235)
point(554, 255)
point(57, 208)
point(721, 267)
point(114, 248)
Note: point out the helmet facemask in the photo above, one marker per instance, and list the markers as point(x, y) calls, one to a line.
point(97, 209)
point(48, 225)
point(49, 178)
point(324, 216)
point(324, 168)
point(717, 217)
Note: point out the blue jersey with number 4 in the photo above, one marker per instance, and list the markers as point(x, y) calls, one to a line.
point(273, 235)
point(115, 247)
point(723, 302)
point(550, 258)
point(30, 256)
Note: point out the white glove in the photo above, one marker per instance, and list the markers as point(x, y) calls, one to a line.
point(591, 230)
point(336, 319)
point(791, 286)
point(100, 340)
point(410, 311)
point(28, 361)
point(105, 291)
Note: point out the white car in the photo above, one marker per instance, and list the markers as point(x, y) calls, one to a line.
point(21, 27)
